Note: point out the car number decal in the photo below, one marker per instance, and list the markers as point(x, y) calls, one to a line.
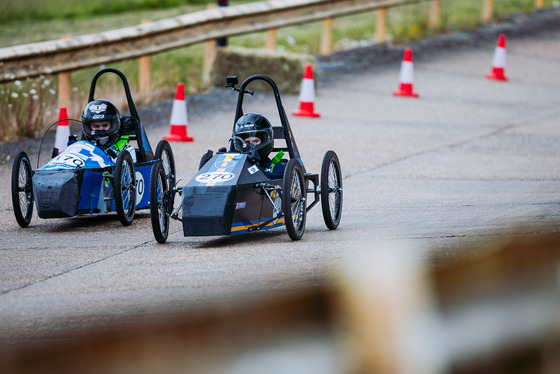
point(78, 155)
point(214, 177)
point(140, 186)
point(68, 160)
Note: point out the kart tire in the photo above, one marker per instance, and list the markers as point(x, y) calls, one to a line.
point(294, 206)
point(124, 184)
point(165, 154)
point(159, 212)
point(331, 190)
point(22, 189)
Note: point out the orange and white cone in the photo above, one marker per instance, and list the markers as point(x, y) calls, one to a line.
point(179, 121)
point(307, 95)
point(62, 130)
point(406, 76)
point(499, 61)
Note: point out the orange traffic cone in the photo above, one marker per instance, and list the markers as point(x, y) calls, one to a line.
point(406, 76)
point(178, 131)
point(499, 61)
point(62, 130)
point(307, 95)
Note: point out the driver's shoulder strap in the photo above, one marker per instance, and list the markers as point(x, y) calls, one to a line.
point(122, 142)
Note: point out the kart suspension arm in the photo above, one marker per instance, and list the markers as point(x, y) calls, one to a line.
point(169, 197)
point(266, 188)
point(316, 190)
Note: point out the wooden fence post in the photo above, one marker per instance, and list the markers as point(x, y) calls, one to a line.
point(64, 84)
point(326, 37)
point(539, 4)
point(270, 43)
point(63, 89)
point(144, 68)
point(487, 10)
point(381, 25)
point(435, 7)
point(209, 55)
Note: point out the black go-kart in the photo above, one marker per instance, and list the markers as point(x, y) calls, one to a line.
point(231, 194)
point(83, 179)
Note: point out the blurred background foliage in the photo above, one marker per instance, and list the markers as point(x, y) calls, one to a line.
point(26, 108)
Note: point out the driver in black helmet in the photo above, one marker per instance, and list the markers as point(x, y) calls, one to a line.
point(101, 123)
point(256, 131)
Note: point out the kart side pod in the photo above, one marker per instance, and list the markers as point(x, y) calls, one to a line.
point(221, 193)
point(66, 193)
point(56, 192)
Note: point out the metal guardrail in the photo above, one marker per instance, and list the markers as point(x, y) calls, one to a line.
point(64, 55)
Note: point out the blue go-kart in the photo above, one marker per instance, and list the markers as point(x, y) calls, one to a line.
point(84, 180)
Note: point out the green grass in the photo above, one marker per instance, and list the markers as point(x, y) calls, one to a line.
point(33, 10)
point(49, 20)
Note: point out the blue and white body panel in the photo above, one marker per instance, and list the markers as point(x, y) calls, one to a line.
point(78, 181)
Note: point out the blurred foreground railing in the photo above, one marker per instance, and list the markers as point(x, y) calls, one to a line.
point(494, 310)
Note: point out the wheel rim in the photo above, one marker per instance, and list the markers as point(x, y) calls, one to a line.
point(24, 189)
point(297, 202)
point(334, 191)
point(162, 214)
point(166, 161)
point(126, 188)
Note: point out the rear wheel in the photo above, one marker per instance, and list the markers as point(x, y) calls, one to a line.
point(331, 190)
point(22, 189)
point(124, 183)
point(294, 204)
point(159, 212)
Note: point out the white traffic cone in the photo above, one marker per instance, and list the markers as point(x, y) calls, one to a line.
point(406, 76)
point(307, 95)
point(499, 61)
point(178, 130)
point(62, 130)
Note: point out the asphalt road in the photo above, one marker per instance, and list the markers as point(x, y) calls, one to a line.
point(468, 162)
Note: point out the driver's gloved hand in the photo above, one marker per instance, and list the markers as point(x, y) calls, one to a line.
point(222, 150)
point(72, 139)
point(205, 158)
point(111, 152)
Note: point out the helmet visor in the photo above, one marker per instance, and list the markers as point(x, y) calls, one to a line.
point(101, 128)
point(255, 140)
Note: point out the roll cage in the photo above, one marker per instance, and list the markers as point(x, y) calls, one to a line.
point(130, 125)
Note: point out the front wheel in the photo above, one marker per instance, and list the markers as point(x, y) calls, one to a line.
point(331, 190)
point(165, 154)
point(124, 183)
point(22, 189)
point(159, 211)
point(294, 204)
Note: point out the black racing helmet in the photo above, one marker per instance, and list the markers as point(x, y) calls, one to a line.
point(257, 132)
point(99, 111)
